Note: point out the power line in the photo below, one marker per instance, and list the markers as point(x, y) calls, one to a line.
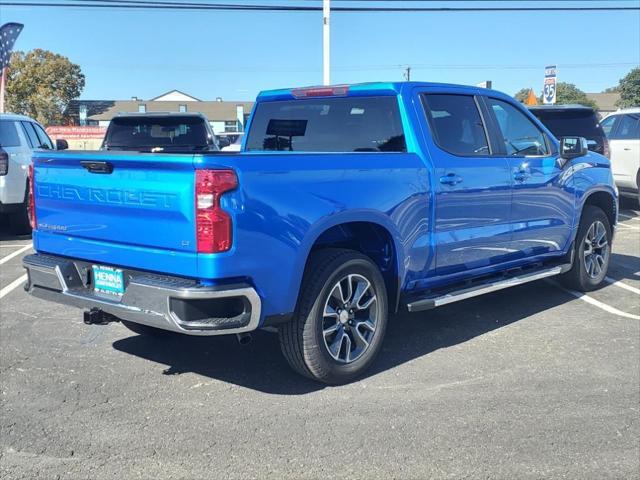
point(152, 5)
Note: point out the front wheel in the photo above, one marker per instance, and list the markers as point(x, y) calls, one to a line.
point(341, 318)
point(592, 251)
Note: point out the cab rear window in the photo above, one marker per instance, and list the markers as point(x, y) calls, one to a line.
point(351, 124)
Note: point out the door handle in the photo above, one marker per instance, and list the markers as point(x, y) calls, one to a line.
point(450, 179)
point(627, 149)
point(97, 167)
point(521, 174)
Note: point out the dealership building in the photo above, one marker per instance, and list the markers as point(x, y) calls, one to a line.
point(224, 116)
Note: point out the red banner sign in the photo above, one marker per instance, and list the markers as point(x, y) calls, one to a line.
point(76, 133)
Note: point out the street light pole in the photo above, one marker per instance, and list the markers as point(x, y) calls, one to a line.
point(326, 42)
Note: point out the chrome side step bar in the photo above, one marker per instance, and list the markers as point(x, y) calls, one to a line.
point(435, 300)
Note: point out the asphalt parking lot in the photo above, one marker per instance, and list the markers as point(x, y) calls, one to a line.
point(532, 382)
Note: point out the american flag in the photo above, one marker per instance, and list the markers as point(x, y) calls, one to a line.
point(8, 34)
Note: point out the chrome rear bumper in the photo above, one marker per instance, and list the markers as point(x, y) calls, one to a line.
point(170, 303)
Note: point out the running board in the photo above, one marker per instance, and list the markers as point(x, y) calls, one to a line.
point(435, 300)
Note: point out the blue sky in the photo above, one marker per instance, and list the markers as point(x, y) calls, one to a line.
point(236, 54)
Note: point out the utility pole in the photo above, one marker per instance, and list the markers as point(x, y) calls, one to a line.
point(407, 74)
point(326, 42)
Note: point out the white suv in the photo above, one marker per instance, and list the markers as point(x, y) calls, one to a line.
point(623, 131)
point(19, 136)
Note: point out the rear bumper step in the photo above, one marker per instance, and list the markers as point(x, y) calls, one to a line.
point(170, 303)
point(490, 285)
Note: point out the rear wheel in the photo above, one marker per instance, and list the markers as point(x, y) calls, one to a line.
point(592, 251)
point(341, 320)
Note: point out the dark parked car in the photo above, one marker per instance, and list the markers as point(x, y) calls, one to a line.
point(574, 120)
point(160, 132)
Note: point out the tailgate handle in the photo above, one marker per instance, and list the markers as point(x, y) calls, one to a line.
point(97, 167)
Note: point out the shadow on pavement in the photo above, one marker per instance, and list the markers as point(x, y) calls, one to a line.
point(629, 206)
point(624, 267)
point(5, 231)
point(260, 366)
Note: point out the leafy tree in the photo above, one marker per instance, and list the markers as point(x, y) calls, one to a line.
point(41, 84)
point(568, 93)
point(615, 89)
point(630, 90)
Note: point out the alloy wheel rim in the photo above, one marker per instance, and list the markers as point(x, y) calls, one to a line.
point(596, 249)
point(350, 318)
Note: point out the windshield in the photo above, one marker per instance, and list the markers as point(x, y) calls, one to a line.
point(158, 134)
point(353, 124)
point(571, 123)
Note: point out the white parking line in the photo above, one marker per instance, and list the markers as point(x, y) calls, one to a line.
point(603, 306)
point(15, 254)
point(620, 284)
point(628, 217)
point(630, 227)
point(11, 246)
point(13, 285)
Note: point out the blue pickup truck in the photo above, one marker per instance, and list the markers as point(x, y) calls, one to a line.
point(346, 205)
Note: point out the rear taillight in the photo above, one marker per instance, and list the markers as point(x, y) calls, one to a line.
point(32, 197)
point(213, 225)
point(605, 148)
point(4, 162)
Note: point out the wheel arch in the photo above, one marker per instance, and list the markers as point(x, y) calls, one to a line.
point(369, 233)
point(606, 201)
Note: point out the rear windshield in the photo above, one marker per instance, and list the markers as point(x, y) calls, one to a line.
point(158, 134)
point(352, 124)
point(8, 134)
point(576, 123)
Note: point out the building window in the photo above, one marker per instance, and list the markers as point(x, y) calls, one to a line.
point(231, 126)
point(182, 108)
point(142, 108)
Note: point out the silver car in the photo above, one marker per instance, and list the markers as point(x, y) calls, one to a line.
point(19, 136)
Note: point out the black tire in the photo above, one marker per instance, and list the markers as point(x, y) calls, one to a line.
point(19, 223)
point(302, 340)
point(146, 330)
point(579, 278)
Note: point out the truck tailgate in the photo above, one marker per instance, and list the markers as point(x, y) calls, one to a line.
point(136, 200)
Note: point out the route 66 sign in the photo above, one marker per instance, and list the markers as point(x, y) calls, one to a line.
point(549, 90)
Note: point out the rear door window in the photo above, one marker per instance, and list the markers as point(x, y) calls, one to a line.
point(30, 133)
point(520, 135)
point(8, 134)
point(351, 124)
point(628, 127)
point(45, 141)
point(456, 124)
point(608, 125)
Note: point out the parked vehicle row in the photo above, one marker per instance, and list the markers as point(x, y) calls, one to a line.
point(347, 204)
point(617, 137)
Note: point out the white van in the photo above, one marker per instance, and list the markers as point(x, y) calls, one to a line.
point(19, 136)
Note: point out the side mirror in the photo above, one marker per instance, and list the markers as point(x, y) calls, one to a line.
point(223, 142)
point(573, 147)
point(62, 144)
